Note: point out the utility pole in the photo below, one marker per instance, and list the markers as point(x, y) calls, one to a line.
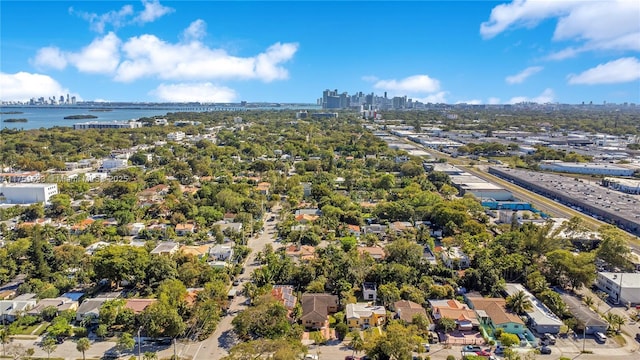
point(139, 344)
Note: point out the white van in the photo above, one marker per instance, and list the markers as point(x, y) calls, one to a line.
point(600, 336)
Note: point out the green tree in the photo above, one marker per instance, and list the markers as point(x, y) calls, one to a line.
point(508, 340)
point(83, 346)
point(357, 343)
point(614, 248)
point(5, 338)
point(48, 344)
point(446, 324)
point(125, 342)
point(149, 355)
point(519, 302)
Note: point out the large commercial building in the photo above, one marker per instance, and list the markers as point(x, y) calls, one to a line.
point(483, 190)
point(27, 193)
point(621, 287)
point(587, 168)
point(622, 210)
point(107, 125)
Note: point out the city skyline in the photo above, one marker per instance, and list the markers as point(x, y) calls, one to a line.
point(223, 52)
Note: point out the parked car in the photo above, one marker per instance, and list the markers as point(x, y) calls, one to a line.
point(236, 282)
point(499, 350)
point(545, 350)
point(551, 340)
point(483, 353)
point(600, 336)
point(471, 348)
point(311, 357)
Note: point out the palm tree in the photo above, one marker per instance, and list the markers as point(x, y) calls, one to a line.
point(588, 300)
point(519, 302)
point(83, 345)
point(356, 343)
point(615, 321)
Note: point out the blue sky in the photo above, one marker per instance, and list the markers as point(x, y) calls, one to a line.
point(475, 52)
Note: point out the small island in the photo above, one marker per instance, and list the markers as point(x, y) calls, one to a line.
point(11, 112)
point(22, 120)
point(79, 117)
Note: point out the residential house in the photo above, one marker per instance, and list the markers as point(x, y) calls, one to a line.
point(185, 228)
point(196, 251)
point(221, 253)
point(229, 217)
point(539, 317)
point(231, 226)
point(90, 308)
point(354, 230)
point(493, 312)
point(377, 229)
point(61, 303)
point(370, 291)
point(400, 226)
point(300, 252)
point(10, 310)
point(316, 309)
point(376, 252)
point(138, 305)
point(306, 218)
point(81, 226)
point(285, 295)
point(308, 211)
point(165, 248)
point(406, 310)
point(135, 228)
point(362, 316)
point(263, 188)
point(455, 258)
point(7, 294)
point(95, 247)
point(429, 256)
point(464, 317)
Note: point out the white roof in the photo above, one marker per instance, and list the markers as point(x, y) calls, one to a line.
point(540, 314)
point(628, 280)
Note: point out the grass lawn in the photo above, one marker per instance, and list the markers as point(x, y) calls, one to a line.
point(24, 330)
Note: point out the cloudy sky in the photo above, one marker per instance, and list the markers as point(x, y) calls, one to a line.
point(475, 52)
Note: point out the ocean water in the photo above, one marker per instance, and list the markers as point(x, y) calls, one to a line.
point(48, 117)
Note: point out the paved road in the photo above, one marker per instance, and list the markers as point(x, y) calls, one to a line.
point(219, 343)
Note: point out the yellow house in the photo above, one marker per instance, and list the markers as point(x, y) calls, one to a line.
point(364, 316)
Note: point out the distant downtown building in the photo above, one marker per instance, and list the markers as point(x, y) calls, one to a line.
point(27, 193)
point(107, 125)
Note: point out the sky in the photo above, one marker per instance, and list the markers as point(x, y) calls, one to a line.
point(476, 52)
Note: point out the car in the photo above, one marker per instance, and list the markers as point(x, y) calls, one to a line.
point(471, 348)
point(550, 339)
point(499, 350)
point(545, 350)
point(600, 336)
point(311, 357)
point(236, 282)
point(483, 353)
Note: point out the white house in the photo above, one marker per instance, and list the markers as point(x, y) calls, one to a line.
point(221, 253)
point(539, 317)
point(135, 229)
point(11, 309)
point(454, 257)
point(27, 193)
point(369, 291)
point(113, 164)
point(176, 136)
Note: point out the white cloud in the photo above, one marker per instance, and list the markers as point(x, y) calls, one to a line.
point(120, 18)
point(101, 56)
point(596, 25)
point(152, 11)
point(493, 100)
point(547, 96)
point(437, 98)
point(98, 22)
point(189, 92)
point(416, 84)
point(50, 57)
point(616, 71)
point(149, 56)
point(22, 86)
point(196, 31)
point(523, 75)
